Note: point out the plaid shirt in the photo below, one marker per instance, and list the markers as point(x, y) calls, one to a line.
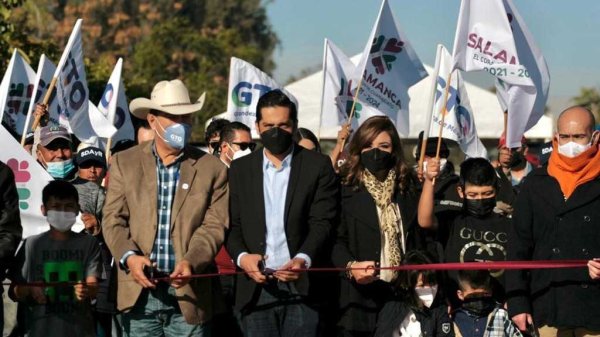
point(500, 325)
point(167, 178)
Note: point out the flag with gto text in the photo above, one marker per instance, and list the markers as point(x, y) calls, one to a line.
point(85, 120)
point(246, 84)
point(43, 77)
point(492, 36)
point(388, 67)
point(113, 106)
point(459, 122)
point(16, 90)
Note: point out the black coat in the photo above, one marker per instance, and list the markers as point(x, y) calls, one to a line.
point(311, 207)
point(10, 221)
point(546, 227)
point(435, 321)
point(358, 238)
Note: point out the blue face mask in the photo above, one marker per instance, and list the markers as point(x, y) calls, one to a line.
point(60, 169)
point(176, 135)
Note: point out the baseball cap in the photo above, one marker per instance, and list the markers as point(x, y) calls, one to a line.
point(90, 155)
point(50, 133)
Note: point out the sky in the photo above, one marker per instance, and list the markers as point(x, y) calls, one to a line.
point(567, 32)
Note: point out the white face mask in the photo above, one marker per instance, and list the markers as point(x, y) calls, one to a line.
point(572, 149)
point(61, 221)
point(426, 294)
point(241, 153)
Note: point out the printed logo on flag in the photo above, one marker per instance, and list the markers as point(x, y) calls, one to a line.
point(463, 117)
point(107, 97)
point(383, 53)
point(243, 93)
point(345, 100)
point(22, 177)
point(440, 90)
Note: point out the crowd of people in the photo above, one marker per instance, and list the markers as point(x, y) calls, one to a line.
point(183, 242)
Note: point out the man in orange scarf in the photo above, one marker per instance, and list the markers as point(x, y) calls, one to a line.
point(557, 217)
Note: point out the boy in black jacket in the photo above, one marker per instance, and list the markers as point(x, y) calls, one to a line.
point(477, 233)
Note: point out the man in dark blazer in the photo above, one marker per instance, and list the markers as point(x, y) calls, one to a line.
point(283, 201)
point(557, 217)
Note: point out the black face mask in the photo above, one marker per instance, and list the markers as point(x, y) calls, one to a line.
point(480, 207)
point(517, 161)
point(276, 140)
point(376, 160)
point(480, 306)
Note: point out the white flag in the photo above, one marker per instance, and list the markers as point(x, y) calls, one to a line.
point(86, 122)
point(113, 105)
point(16, 90)
point(30, 178)
point(492, 36)
point(389, 67)
point(337, 99)
point(246, 84)
point(459, 123)
point(43, 78)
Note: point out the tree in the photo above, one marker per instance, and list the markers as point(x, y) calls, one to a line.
point(589, 98)
point(192, 40)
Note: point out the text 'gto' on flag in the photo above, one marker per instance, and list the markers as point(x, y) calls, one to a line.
point(246, 84)
point(459, 122)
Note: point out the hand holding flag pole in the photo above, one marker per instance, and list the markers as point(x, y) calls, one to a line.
point(351, 115)
point(59, 68)
point(430, 104)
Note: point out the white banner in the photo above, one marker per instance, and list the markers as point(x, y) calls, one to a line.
point(16, 90)
point(459, 122)
point(246, 84)
point(113, 105)
point(31, 178)
point(43, 78)
point(492, 36)
point(86, 122)
point(389, 67)
point(337, 100)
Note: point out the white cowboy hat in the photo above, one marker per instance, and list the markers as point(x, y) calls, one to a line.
point(171, 97)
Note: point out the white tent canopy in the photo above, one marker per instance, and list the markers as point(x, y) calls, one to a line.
point(487, 111)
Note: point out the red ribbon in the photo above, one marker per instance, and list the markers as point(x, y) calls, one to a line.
point(488, 265)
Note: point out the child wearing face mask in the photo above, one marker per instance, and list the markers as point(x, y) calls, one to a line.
point(475, 234)
point(58, 255)
point(480, 315)
point(418, 310)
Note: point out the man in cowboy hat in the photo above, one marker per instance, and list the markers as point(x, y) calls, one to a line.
point(165, 216)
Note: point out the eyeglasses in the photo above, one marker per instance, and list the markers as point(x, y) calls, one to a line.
point(243, 145)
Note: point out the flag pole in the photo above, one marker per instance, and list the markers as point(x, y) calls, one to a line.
point(351, 115)
point(443, 112)
point(430, 104)
point(323, 89)
point(59, 68)
point(36, 121)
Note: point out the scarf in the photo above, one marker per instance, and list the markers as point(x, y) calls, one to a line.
point(390, 221)
point(572, 172)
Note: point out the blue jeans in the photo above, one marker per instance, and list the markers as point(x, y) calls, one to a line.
point(156, 314)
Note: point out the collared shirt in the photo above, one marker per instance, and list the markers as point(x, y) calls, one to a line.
point(167, 178)
point(275, 186)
